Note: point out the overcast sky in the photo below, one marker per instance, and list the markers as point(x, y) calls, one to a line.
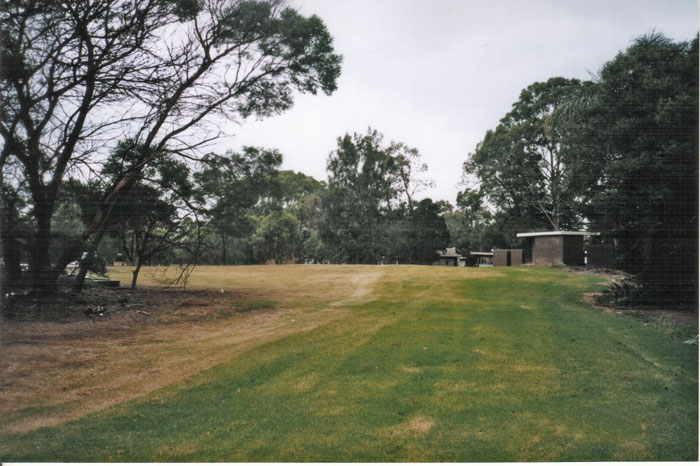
point(437, 74)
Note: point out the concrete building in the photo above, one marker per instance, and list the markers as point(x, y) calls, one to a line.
point(450, 257)
point(555, 247)
point(482, 259)
point(507, 257)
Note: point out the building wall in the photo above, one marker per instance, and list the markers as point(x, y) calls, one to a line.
point(449, 261)
point(500, 257)
point(548, 250)
point(507, 257)
point(516, 257)
point(527, 252)
point(554, 250)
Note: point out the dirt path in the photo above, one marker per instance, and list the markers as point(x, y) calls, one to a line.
point(362, 285)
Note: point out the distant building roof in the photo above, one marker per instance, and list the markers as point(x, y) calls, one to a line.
point(556, 233)
point(487, 254)
point(449, 252)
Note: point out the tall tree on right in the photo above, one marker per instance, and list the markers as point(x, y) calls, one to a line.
point(636, 163)
point(522, 164)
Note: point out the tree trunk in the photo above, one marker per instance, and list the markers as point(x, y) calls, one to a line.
point(135, 273)
point(96, 228)
point(86, 262)
point(10, 248)
point(42, 277)
point(82, 273)
point(223, 247)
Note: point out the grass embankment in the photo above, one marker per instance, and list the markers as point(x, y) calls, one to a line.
point(409, 364)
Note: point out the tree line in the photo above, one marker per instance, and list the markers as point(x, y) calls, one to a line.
point(240, 208)
point(158, 76)
point(617, 154)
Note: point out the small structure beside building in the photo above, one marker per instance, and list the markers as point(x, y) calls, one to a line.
point(555, 247)
point(450, 257)
point(482, 259)
point(507, 257)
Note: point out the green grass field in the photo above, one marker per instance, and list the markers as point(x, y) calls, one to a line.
point(408, 363)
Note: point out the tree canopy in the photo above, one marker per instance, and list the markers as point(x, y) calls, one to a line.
point(522, 164)
point(618, 155)
point(77, 74)
point(151, 219)
point(228, 187)
point(361, 179)
point(637, 162)
point(368, 209)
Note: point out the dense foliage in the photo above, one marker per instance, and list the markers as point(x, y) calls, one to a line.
point(618, 155)
point(637, 159)
point(522, 164)
point(364, 218)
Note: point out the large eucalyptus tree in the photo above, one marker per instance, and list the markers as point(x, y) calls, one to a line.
point(77, 75)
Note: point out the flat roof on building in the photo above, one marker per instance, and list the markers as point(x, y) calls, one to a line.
point(449, 253)
point(556, 233)
point(481, 253)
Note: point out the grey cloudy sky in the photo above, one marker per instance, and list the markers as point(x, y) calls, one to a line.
point(438, 74)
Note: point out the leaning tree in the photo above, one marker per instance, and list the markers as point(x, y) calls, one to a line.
point(78, 74)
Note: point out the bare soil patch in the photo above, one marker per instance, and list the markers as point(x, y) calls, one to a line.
point(685, 323)
point(103, 304)
point(606, 273)
point(418, 426)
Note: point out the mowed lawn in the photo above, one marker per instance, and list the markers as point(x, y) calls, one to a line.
point(406, 363)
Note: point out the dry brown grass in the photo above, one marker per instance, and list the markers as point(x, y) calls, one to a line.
point(417, 426)
point(302, 286)
point(66, 370)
